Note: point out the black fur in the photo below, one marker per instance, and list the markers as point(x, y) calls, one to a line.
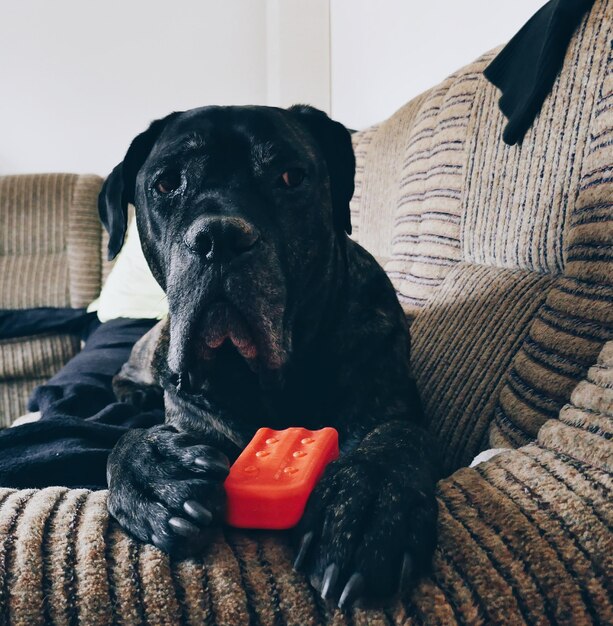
point(276, 319)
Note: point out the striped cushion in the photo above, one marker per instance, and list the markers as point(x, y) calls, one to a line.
point(464, 341)
point(577, 317)
point(565, 336)
point(361, 144)
point(522, 539)
point(379, 155)
point(518, 200)
point(501, 255)
point(585, 428)
point(26, 363)
point(50, 255)
point(50, 240)
point(43, 280)
point(425, 242)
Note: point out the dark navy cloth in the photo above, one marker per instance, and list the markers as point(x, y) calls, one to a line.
point(81, 420)
point(28, 322)
point(528, 65)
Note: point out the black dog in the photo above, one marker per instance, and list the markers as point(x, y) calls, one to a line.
point(276, 318)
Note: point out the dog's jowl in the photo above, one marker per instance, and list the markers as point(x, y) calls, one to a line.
point(276, 318)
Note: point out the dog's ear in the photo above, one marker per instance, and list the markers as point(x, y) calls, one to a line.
point(119, 187)
point(334, 140)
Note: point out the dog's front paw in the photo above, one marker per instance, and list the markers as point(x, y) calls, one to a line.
point(166, 488)
point(367, 534)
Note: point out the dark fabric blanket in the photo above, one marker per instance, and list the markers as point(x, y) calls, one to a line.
point(81, 419)
point(28, 322)
point(528, 65)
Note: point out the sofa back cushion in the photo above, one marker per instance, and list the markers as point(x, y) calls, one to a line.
point(50, 240)
point(500, 255)
point(51, 251)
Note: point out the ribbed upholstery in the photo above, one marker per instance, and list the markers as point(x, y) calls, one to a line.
point(524, 538)
point(428, 213)
point(377, 179)
point(27, 362)
point(518, 201)
point(83, 240)
point(459, 206)
point(50, 242)
point(577, 316)
point(361, 145)
point(501, 257)
point(464, 341)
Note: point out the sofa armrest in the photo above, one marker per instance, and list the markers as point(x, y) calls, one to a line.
point(532, 527)
point(51, 255)
point(585, 428)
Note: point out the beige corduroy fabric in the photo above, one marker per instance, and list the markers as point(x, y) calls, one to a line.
point(50, 242)
point(501, 255)
point(524, 538)
point(26, 363)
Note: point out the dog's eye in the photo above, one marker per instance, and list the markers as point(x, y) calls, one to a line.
point(168, 181)
point(291, 178)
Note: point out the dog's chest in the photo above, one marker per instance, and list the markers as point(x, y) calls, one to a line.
point(303, 395)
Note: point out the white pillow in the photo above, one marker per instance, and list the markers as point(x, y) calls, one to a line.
point(130, 289)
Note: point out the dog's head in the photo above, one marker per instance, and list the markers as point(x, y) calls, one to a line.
point(242, 214)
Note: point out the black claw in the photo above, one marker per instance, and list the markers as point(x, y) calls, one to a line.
point(405, 573)
point(183, 527)
point(352, 591)
point(305, 542)
point(198, 512)
point(329, 580)
point(212, 465)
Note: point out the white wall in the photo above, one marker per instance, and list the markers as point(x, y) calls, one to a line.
point(298, 45)
point(79, 79)
point(384, 52)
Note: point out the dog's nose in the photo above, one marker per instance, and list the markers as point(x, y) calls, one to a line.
point(220, 237)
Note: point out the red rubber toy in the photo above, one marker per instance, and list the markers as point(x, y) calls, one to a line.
point(270, 482)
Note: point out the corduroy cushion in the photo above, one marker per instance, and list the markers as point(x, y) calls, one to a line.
point(501, 256)
point(50, 243)
point(26, 363)
point(524, 538)
point(49, 240)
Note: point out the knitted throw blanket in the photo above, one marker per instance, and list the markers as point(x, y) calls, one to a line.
point(524, 538)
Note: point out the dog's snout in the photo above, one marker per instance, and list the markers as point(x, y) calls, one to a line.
point(221, 237)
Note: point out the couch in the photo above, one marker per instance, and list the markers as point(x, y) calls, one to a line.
point(502, 259)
